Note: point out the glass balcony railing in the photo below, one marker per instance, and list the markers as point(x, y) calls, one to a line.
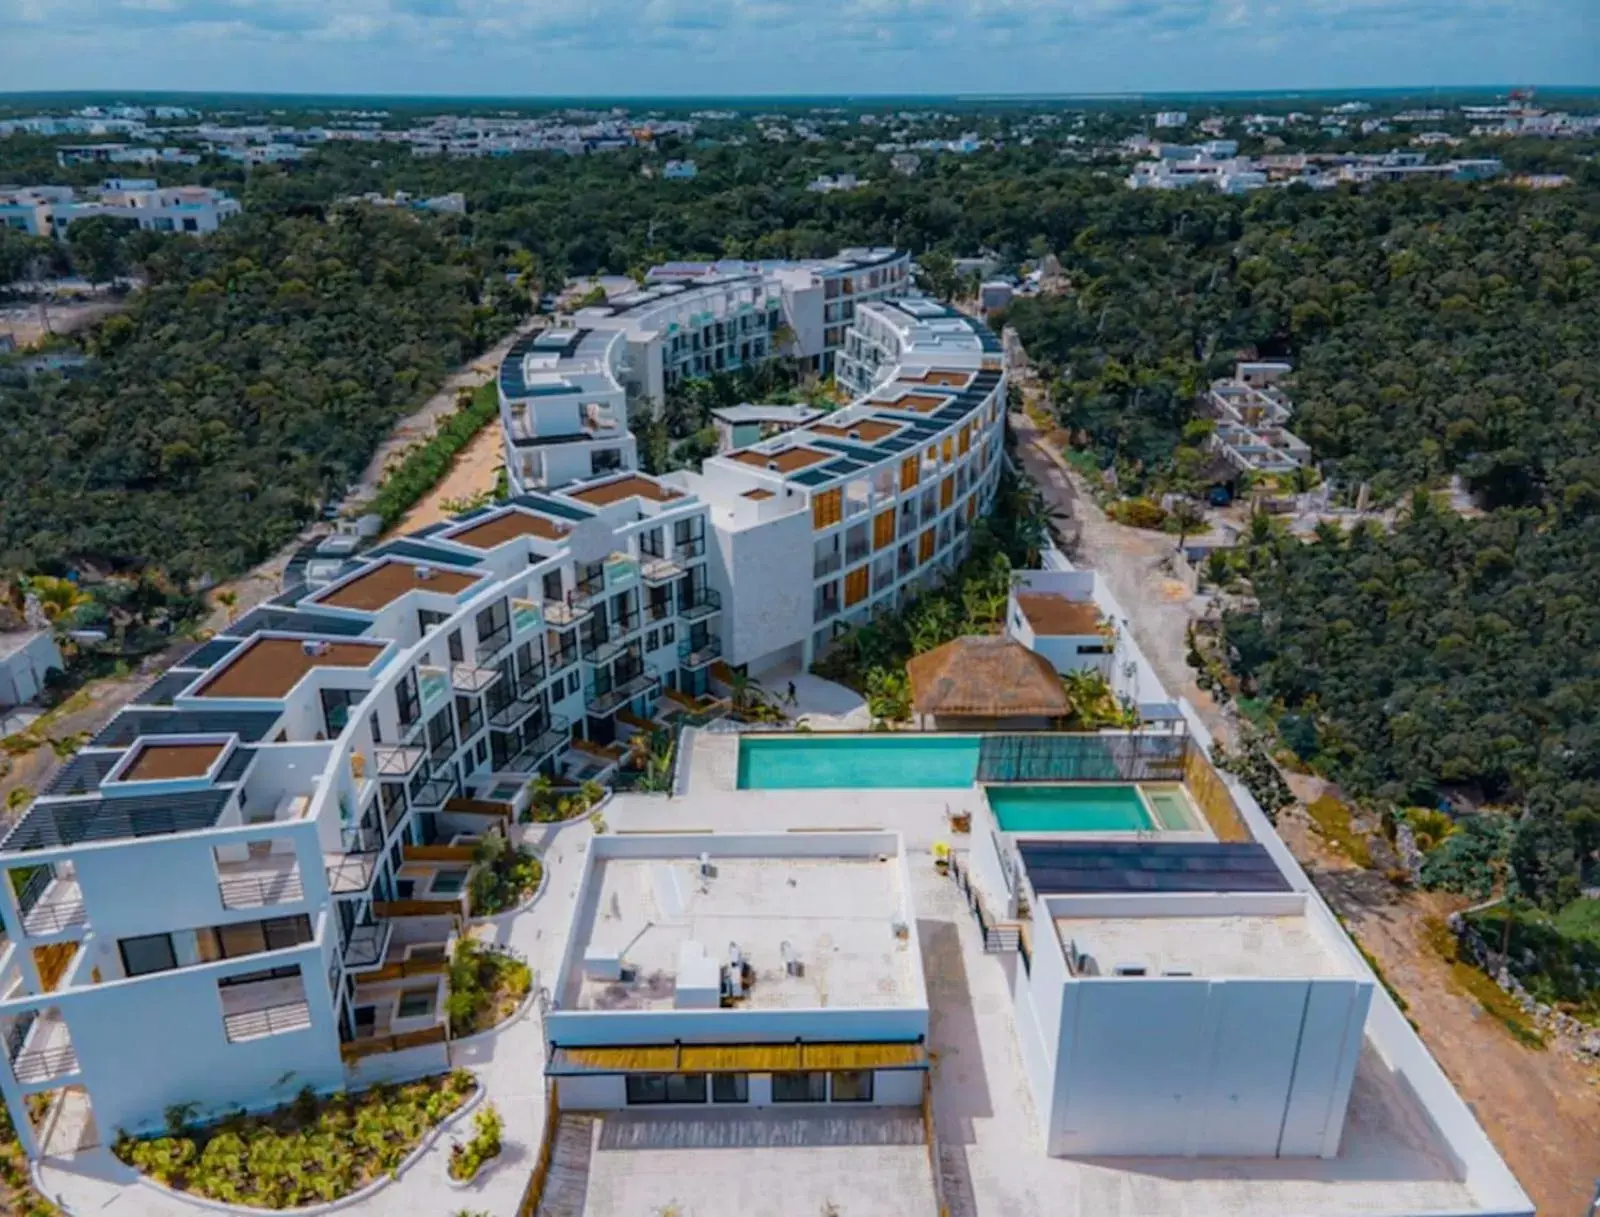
point(613, 699)
point(697, 652)
point(702, 604)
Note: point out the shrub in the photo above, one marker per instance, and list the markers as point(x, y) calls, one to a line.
point(503, 877)
point(1332, 819)
point(426, 463)
point(1137, 513)
point(487, 983)
point(312, 1151)
point(466, 1160)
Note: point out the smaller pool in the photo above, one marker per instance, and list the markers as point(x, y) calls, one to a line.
point(1172, 808)
point(1081, 807)
point(448, 883)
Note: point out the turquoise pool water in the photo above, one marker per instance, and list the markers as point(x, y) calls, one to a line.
point(1068, 808)
point(857, 762)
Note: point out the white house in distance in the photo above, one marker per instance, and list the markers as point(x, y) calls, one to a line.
point(741, 969)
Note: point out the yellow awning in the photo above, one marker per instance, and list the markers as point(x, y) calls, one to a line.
point(736, 1058)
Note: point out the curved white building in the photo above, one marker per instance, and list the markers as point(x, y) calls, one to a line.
point(250, 881)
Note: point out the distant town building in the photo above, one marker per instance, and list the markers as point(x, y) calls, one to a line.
point(454, 203)
point(47, 211)
point(906, 163)
point(679, 171)
point(1171, 118)
point(824, 184)
point(122, 154)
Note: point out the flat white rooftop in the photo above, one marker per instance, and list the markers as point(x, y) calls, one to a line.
point(839, 916)
point(1218, 947)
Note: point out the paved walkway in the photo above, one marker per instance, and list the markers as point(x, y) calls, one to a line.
point(509, 1062)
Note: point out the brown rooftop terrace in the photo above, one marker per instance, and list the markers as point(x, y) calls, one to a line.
point(790, 460)
point(868, 430)
point(943, 377)
point(922, 403)
point(631, 487)
point(165, 762)
point(269, 667)
point(381, 585)
point(1052, 613)
point(507, 527)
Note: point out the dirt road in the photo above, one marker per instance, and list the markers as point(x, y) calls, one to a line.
point(1541, 1108)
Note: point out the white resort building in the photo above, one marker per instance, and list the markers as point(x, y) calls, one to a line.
point(1022, 971)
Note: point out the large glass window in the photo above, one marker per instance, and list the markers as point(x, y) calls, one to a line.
point(148, 953)
point(730, 1087)
point(799, 1088)
point(852, 1086)
point(644, 1088)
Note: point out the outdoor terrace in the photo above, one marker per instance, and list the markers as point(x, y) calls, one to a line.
point(790, 460)
point(381, 585)
point(1215, 947)
point(268, 668)
point(632, 486)
point(171, 762)
point(508, 526)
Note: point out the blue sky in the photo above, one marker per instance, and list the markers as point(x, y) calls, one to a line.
point(619, 47)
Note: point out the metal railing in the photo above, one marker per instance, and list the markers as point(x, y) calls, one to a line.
point(855, 553)
point(603, 650)
point(254, 891)
point(826, 565)
point(824, 610)
point(469, 678)
point(511, 714)
point(397, 762)
point(55, 915)
point(657, 569)
point(491, 645)
point(557, 735)
point(367, 944)
point(568, 609)
point(431, 795)
point(620, 695)
point(702, 604)
point(40, 1065)
point(696, 653)
point(274, 1020)
point(688, 548)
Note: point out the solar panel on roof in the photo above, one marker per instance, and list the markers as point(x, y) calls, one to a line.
point(249, 725)
point(211, 653)
point(238, 761)
point(48, 825)
point(553, 507)
point(404, 547)
point(162, 691)
point(83, 773)
point(1059, 868)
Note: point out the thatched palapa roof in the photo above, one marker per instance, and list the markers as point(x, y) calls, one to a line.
point(986, 677)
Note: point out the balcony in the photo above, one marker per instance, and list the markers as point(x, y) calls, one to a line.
point(609, 702)
point(825, 608)
point(439, 754)
point(260, 882)
point(826, 565)
point(698, 652)
point(659, 570)
point(561, 660)
point(367, 944)
point(702, 604)
point(41, 1048)
point(570, 610)
point(687, 549)
point(658, 610)
point(268, 1007)
point(856, 552)
point(398, 762)
point(471, 723)
point(432, 794)
point(469, 678)
point(510, 716)
point(538, 750)
point(492, 644)
point(51, 904)
point(602, 650)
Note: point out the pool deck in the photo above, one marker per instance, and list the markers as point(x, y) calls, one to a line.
point(991, 1153)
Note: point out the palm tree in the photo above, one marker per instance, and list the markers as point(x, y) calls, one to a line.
point(744, 690)
point(57, 597)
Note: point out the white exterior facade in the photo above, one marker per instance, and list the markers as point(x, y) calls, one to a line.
point(49, 210)
point(26, 657)
point(806, 886)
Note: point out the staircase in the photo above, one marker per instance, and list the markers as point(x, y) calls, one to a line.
point(999, 938)
point(567, 1185)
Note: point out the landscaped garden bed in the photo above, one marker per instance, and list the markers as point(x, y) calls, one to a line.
point(488, 984)
point(503, 877)
point(313, 1151)
point(552, 804)
point(469, 1157)
point(17, 1196)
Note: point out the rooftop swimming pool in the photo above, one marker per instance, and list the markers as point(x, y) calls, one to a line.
point(1092, 807)
point(857, 762)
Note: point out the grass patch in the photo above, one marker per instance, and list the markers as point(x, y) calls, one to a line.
point(1332, 819)
point(425, 464)
point(487, 985)
point(1478, 985)
point(312, 1151)
point(1556, 956)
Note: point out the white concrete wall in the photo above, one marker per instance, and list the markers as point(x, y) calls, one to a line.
point(771, 607)
point(22, 673)
point(133, 1077)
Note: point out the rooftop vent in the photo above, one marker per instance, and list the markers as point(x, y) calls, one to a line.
point(1129, 969)
point(773, 466)
point(424, 572)
point(855, 433)
point(314, 646)
point(791, 960)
